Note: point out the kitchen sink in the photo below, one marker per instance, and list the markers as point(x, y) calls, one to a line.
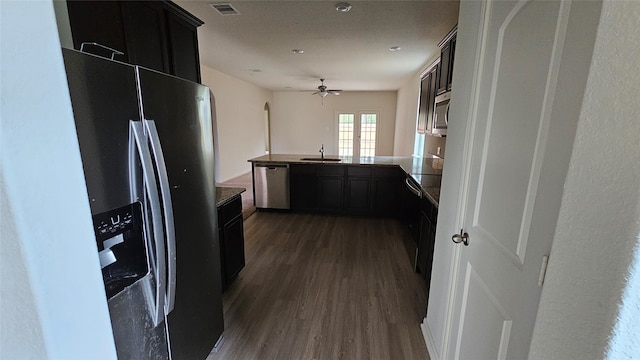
point(320, 159)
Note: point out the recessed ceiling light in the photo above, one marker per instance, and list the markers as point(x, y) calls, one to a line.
point(343, 7)
point(395, 48)
point(297, 51)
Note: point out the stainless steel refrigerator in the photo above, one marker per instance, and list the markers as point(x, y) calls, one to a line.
point(146, 142)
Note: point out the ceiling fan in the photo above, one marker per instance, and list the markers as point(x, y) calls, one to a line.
point(322, 90)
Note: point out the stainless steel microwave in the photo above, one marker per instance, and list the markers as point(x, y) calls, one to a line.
point(441, 114)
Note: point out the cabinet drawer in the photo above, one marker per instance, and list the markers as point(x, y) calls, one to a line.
point(331, 170)
point(359, 171)
point(302, 169)
point(386, 171)
point(230, 210)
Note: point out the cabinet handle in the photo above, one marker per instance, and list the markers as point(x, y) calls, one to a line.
point(114, 52)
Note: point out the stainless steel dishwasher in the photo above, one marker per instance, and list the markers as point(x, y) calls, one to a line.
point(271, 186)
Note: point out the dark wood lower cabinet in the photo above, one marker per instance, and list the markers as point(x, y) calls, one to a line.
point(426, 240)
point(303, 187)
point(358, 192)
point(358, 196)
point(231, 238)
point(346, 189)
point(331, 197)
point(387, 185)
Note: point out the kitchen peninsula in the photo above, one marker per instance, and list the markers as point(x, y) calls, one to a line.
point(426, 172)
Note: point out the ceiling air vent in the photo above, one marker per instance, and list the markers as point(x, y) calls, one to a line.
point(225, 9)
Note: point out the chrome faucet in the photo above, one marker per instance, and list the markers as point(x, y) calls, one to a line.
point(322, 152)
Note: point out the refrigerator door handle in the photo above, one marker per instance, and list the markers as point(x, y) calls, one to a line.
point(167, 207)
point(136, 133)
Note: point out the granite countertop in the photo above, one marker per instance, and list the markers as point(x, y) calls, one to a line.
point(425, 171)
point(430, 185)
point(410, 165)
point(226, 194)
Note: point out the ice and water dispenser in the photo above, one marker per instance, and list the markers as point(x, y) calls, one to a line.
point(121, 247)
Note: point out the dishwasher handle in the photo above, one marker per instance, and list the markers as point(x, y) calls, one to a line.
point(272, 167)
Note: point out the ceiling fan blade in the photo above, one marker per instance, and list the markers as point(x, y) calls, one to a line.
point(315, 92)
point(334, 92)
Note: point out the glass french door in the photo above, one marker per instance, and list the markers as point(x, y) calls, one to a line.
point(357, 133)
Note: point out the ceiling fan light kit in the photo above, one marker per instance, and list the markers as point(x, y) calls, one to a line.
point(343, 7)
point(323, 91)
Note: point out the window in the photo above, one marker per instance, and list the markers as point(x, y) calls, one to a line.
point(345, 134)
point(357, 133)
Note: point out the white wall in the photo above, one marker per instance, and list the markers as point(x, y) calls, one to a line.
point(239, 122)
point(406, 117)
point(52, 302)
point(300, 122)
point(599, 219)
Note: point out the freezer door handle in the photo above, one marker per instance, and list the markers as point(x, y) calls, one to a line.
point(167, 208)
point(136, 133)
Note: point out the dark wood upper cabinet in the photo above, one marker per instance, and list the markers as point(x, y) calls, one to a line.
point(98, 22)
point(452, 54)
point(183, 42)
point(427, 98)
point(144, 24)
point(158, 35)
point(447, 55)
point(424, 101)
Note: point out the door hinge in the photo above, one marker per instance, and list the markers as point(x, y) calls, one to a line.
point(543, 270)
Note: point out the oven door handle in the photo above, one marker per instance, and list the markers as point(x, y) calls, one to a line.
point(412, 188)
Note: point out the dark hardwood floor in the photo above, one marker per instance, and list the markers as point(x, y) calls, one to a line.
point(324, 287)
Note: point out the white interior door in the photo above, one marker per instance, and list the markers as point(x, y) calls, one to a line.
point(496, 291)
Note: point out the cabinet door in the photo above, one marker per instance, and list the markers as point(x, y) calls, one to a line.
point(385, 196)
point(303, 187)
point(331, 193)
point(433, 83)
point(100, 22)
point(445, 57)
point(358, 196)
point(424, 104)
point(452, 53)
point(233, 248)
point(145, 31)
point(183, 41)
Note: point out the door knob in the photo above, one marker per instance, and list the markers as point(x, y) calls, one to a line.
point(463, 237)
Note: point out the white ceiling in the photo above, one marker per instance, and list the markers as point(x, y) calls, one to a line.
point(350, 50)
